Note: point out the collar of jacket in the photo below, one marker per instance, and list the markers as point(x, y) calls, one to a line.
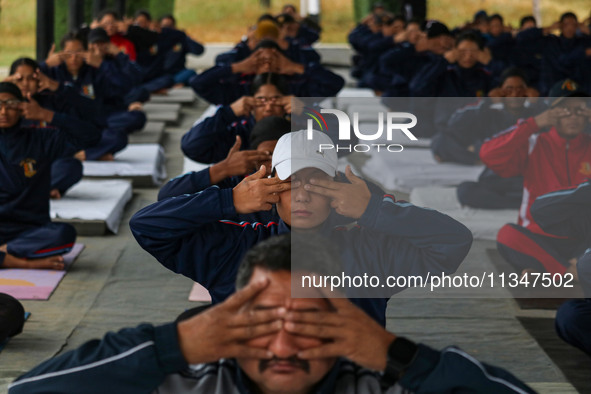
point(11, 130)
point(573, 144)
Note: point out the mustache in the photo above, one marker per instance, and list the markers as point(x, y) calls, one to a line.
point(293, 360)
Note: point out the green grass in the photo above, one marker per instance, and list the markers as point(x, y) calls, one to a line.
point(17, 29)
point(226, 20)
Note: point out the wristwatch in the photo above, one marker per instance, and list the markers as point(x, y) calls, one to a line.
point(401, 353)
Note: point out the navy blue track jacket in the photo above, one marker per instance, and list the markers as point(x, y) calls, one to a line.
point(189, 235)
point(398, 66)
point(148, 359)
point(219, 85)
point(176, 57)
point(197, 181)
point(26, 154)
point(210, 140)
point(104, 84)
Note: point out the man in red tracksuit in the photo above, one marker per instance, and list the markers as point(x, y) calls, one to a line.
point(548, 160)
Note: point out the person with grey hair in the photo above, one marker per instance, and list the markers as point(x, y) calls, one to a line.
point(264, 340)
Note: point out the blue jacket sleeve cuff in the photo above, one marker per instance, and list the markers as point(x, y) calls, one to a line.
point(169, 353)
point(60, 120)
point(227, 203)
point(369, 217)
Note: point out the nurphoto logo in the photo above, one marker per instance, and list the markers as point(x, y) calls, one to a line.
point(402, 121)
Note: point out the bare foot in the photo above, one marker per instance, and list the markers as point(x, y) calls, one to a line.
point(81, 155)
point(527, 271)
point(135, 106)
point(55, 194)
point(107, 157)
point(572, 269)
point(437, 158)
point(161, 91)
point(178, 86)
point(53, 263)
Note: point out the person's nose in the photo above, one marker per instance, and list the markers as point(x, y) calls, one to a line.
point(300, 194)
point(283, 345)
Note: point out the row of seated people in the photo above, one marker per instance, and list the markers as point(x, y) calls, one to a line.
point(274, 45)
point(400, 59)
point(79, 104)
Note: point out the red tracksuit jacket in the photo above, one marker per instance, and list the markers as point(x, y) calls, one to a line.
point(546, 161)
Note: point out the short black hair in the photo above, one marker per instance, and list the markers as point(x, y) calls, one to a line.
point(511, 72)
point(270, 128)
point(527, 18)
point(284, 19)
point(286, 6)
point(567, 15)
point(313, 254)
point(274, 79)
point(144, 13)
point(470, 36)
point(106, 12)
point(496, 16)
point(168, 16)
point(23, 61)
point(73, 36)
point(267, 17)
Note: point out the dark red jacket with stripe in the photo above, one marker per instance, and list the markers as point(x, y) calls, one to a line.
point(547, 162)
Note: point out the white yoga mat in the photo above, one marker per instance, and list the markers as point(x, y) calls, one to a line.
point(134, 161)
point(484, 223)
point(177, 95)
point(94, 200)
point(412, 168)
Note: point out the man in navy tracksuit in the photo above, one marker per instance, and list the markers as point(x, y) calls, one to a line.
point(227, 83)
point(567, 213)
point(391, 238)
point(262, 339)
point(562, 56)
point(370, 45)
point(57, 97)
point(102, 81)
point(210, 140)
point(231, 171)
point(176, 57)
point(28, 239)
point(398, 65)
point(459, 141)
point(501, 45)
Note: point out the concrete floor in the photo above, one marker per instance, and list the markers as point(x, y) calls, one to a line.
point(115, 284)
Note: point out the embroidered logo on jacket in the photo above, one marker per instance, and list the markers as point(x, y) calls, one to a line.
point(88, 91)
point(29, 167)
point(585, 168)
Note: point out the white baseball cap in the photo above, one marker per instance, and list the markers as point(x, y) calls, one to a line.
point(294, 151)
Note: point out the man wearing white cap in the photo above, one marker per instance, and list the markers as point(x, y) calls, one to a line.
point(188, 234)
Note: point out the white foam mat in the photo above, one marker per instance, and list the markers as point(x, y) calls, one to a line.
point(94, 200)
point(411, 168)
point(484, 223)
point(176, 95)
point(136, 160)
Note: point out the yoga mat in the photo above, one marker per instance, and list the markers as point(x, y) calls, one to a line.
point(35, 284)
point(3, 344)
point(199, 293)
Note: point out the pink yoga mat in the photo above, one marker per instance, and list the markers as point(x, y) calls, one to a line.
point(25, 284)
point(199, 293)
